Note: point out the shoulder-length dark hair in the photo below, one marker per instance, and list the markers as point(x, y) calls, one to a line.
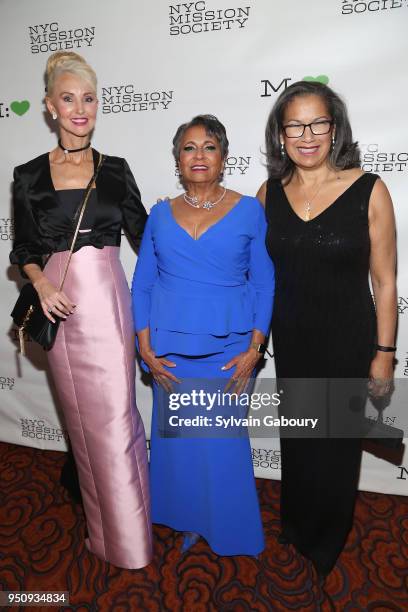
point(212, 126)
point(345, 153)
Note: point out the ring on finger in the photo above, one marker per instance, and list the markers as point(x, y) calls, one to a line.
point(380, 382)
point(50, 308)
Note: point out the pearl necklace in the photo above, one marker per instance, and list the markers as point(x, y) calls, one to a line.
point(194, 201)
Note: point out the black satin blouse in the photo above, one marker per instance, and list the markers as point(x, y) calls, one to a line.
point(42, 224)
point(71, 199)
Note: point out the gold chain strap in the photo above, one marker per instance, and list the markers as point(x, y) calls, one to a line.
point(81, 214)
point(30, 311)
point(22, 328)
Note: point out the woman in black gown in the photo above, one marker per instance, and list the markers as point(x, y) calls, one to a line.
point(330, 226)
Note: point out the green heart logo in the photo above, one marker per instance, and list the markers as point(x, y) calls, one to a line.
point(322, 78)
point(20, 108)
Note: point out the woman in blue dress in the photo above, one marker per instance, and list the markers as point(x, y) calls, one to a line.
point(202, 300)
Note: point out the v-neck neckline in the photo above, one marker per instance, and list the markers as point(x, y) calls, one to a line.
point(209, 227)
point(335, 201)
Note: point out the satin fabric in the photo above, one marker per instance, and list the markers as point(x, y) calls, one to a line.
point(93, 366)
point(42, 225)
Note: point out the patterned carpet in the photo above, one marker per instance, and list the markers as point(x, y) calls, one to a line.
point(42, 548)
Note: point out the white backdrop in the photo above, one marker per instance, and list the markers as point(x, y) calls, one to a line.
point(158, 64)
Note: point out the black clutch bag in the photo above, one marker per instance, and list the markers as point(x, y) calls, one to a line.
point(29, 317)
point(27, 313)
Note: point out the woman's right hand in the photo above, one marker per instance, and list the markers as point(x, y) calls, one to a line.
point(158, 371)
point(53, 302)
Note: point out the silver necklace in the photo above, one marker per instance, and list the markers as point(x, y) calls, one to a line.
point(195, 203)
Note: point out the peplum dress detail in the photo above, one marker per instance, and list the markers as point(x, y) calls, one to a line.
point(201, 300)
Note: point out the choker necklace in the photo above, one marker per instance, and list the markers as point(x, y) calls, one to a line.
point(66, 151)
point(194, 202)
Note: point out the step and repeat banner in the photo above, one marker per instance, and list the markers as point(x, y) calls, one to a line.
point(158, 65)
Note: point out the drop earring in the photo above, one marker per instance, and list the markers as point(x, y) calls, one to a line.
point(180, 181)
point(180, 178)
point(54, 116)
point(282, 150)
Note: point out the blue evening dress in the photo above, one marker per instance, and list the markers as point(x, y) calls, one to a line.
point(201, 300)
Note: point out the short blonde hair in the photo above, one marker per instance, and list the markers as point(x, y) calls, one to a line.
point(68, 61)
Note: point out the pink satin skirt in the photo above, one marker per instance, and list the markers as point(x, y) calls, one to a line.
point(93, 366)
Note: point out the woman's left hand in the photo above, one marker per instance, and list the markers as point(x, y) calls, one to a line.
point(244, 365)
point(381, 375)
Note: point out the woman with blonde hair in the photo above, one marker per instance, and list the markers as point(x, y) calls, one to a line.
point(92, 361)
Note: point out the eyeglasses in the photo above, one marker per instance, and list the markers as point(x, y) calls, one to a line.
point(318, 128)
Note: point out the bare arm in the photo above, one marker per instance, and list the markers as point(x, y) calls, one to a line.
point(53, 302)
point(383, 276)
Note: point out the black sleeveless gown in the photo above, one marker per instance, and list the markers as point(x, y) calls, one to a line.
point(323, 327)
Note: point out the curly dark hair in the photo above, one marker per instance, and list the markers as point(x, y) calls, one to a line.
point(212, 126)
point(345, 153)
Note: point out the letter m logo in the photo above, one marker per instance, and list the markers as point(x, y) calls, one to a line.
point(268, 86)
